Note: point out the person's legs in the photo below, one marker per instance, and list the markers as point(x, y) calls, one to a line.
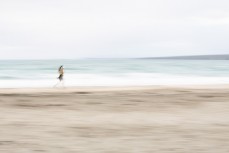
point(57, 84)
point(62, 82)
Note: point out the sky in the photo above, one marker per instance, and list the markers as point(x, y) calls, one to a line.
point(54, 29)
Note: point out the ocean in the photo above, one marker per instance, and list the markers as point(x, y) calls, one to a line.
point(113, 72)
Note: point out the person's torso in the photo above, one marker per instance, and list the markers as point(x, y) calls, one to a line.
point(61, 71)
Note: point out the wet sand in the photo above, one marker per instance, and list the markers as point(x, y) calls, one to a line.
point(115, 120)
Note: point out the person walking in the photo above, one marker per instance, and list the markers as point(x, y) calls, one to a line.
point(61, 76)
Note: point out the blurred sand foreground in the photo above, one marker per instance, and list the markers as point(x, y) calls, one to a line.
point(115, 120)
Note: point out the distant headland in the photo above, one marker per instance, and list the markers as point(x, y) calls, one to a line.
point(194, 57)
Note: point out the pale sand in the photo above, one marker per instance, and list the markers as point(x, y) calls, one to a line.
point(115, 120)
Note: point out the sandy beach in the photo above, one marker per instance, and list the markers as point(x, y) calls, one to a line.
point(115, 120)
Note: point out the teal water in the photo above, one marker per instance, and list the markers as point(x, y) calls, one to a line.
point(103, 72)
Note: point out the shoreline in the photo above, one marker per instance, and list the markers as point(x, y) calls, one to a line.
point(111, 88)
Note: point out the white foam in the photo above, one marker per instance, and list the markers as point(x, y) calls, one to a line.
point(129, 79)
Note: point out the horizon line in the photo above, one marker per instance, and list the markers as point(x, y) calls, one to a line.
point(143, 57)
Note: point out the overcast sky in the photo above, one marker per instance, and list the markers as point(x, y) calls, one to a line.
point(48, 29)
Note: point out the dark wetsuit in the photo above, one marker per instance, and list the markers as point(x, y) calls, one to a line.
point(61, 77)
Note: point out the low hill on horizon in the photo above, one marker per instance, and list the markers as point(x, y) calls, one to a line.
point(194, 57)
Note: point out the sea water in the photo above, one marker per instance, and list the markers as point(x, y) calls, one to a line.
point(113, 72)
